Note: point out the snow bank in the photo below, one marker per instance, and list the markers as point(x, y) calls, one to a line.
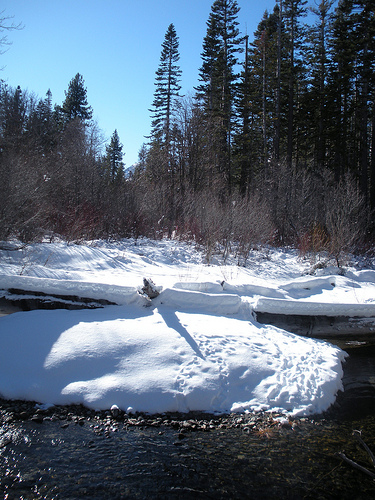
point(304, 308)
point(159, 359)
point(113, 293)
point(195, 347)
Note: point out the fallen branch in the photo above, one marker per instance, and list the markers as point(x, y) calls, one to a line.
point(355, 465)
point(357, 435)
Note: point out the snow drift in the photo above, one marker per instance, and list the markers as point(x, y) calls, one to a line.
point(194, 347)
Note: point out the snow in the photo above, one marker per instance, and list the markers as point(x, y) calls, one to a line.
point(196, 346)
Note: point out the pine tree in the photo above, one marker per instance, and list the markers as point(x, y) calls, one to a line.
point(318, 64)
point(161, 156)
point(221, 47)
point(167, 90)
point(113, 159)
point(75, 104)
point(353, 92)
point(243, 139)
point(293, 11)
point(257, 138)
point(41, 127)
point(72, 119)
point(14, 116)
point(363, 22)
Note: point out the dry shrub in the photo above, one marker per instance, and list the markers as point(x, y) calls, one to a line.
point(342, 226)
point(346, 219)
point(314, 242)
point(252, 225)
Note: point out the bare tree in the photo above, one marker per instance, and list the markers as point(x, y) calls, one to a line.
point(6, 25)
point(346, 219)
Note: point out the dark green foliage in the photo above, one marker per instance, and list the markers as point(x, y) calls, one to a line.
point(318, 64)
point(257, 102)
point(167, 89)
point(42, 126)
point(75, 104)
point(114, 166)
point(13, 116)
point(162, 155)
point(353, 92)
point(218, 77)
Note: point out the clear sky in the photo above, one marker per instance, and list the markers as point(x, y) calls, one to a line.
point(115, 45)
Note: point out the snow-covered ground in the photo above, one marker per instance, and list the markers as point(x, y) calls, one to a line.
point(196, 346)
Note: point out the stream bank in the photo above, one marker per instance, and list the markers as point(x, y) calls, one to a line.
point(72, 452)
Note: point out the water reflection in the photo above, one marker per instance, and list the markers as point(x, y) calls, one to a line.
point(358, 399)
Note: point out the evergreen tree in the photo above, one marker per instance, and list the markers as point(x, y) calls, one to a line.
point(363, 22)
point(221, 47)
point(75, 149)
point(75, 104)
point(13, 117)
point(318, 64)
point(340, 89)
point(113, 159)
point(257, 100)
point(41, 127)
point(293, 11)
point(279, 10)
point(352, 92)
point(167, 90)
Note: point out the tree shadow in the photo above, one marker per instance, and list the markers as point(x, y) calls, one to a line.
point(28, 339)
point(171, 320)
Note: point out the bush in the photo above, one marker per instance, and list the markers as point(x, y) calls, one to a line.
point(346, 219)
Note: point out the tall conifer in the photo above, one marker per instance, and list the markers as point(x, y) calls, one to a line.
point(318, 66)
point(113, 158)
point(293, 11)
point(218, 77)
point(75, 104)
point(167, 89)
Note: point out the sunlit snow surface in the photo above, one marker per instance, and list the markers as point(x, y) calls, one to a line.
point(195, 347)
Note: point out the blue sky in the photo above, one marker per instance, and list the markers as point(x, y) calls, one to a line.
point(115, 45)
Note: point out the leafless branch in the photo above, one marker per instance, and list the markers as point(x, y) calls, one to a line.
point(355, 465)
point(357, 435)
point(6, 25)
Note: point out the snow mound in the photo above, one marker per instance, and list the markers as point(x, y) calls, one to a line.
point(196, 346)
point(160, 359)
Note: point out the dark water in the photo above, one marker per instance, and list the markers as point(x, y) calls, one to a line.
point(49, 461)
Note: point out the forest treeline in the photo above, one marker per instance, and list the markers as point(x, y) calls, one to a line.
point(276, 144)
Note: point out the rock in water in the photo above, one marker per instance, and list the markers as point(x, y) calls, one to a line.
point(115, 411)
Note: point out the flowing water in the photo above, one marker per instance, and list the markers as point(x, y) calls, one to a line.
point(50, 460)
